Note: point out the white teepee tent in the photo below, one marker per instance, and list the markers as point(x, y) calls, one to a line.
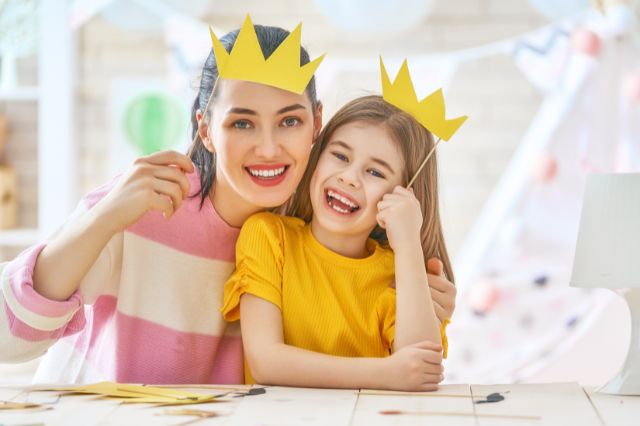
point(515, 308)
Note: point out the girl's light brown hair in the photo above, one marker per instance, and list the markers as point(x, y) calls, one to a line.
point(414, 143)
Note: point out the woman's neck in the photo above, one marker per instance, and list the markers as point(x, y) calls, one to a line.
point(348, 245)
point(230, 206)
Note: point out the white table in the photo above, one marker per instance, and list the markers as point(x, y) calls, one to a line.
point(565, 404)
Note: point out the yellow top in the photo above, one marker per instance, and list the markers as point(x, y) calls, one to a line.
point(330, 303)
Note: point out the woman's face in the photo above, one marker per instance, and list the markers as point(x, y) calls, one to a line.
point(262, 137)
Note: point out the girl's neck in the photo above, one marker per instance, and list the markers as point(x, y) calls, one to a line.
point(230, 206)
point(353, 246)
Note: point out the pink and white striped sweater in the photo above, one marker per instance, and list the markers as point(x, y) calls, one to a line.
point(148, 311)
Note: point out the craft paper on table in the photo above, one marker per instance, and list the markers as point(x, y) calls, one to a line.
point(10, 406)
point(135, 393)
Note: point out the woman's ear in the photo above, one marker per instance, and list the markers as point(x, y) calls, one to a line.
point(317, 122)
point(203, 131)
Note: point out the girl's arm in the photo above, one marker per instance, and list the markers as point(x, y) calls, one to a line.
point(400, 215)
point(416, 319)
point(154, 182)
point(416, 367)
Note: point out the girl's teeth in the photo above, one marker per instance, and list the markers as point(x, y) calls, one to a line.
point(342, 199)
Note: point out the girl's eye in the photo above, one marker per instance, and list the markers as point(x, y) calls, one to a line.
point(340, 156)
point(291, 122)
point(242, 124)
point(376, 173)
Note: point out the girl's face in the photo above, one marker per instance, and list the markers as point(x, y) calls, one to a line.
point(262, 137)
point(357, 167)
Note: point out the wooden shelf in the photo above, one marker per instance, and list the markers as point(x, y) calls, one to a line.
point(21, 237)
point(19, 94)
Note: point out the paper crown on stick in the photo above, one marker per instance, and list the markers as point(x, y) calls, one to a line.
point(246, 61)
point(430, 112)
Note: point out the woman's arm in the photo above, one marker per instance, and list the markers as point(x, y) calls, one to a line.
point(154, 182)
point(415, 368)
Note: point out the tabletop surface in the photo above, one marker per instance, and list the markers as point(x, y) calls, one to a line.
point(523, 404)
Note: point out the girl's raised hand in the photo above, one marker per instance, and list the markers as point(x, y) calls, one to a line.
point(155, 182)
point(400, 215)
point(416, 367)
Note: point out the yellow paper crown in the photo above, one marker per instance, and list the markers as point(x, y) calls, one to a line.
point(430, 112)
point(246, 61)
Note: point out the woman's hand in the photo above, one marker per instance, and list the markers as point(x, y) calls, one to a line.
point(157, 182)
point(443, 291)
point(416, 367)
point(154, 182)
point(400, 215)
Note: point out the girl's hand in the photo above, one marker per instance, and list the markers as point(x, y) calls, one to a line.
point(416, 367)
point(443, 291)
point(154, 182)
point(400, 215)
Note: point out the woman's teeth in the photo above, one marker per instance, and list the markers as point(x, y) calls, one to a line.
point(267, 173)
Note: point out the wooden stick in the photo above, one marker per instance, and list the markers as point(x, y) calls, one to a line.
point(11, 405)
point(423, 163)
point(242, 388)
point(458, 414)
point(189, 412)
point(429, 394)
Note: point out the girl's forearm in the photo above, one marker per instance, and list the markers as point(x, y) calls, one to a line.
point(416, 320)
point(281, 364)
point(67, 258)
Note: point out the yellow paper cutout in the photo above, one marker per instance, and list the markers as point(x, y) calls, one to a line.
point(16, 406)
point(246, 61)
point(135, 393)
point(430, 112)
point(445, 340)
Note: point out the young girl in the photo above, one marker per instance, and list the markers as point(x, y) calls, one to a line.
point(319, 283)
point(126, 290)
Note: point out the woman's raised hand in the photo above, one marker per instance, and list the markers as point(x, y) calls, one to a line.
point(443, 291)
point(155, 182)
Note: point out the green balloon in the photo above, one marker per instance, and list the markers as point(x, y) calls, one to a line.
point(153, 122)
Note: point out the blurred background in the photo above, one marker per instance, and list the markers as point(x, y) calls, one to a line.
point(552, 89)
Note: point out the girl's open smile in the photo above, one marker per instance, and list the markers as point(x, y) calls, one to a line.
point(340, 202)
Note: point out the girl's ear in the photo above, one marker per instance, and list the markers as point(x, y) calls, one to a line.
point(203, 132)
point(317, 122)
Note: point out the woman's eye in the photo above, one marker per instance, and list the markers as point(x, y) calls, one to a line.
point(291, 122)
point(340, 156)
point(242, 124)
point(376, 173)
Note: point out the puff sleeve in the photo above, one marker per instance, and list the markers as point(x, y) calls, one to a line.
point(259, 260)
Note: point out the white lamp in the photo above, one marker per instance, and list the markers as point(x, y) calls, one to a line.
point(608, 255)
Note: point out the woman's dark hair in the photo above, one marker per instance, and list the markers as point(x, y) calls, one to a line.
point(269, 39)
